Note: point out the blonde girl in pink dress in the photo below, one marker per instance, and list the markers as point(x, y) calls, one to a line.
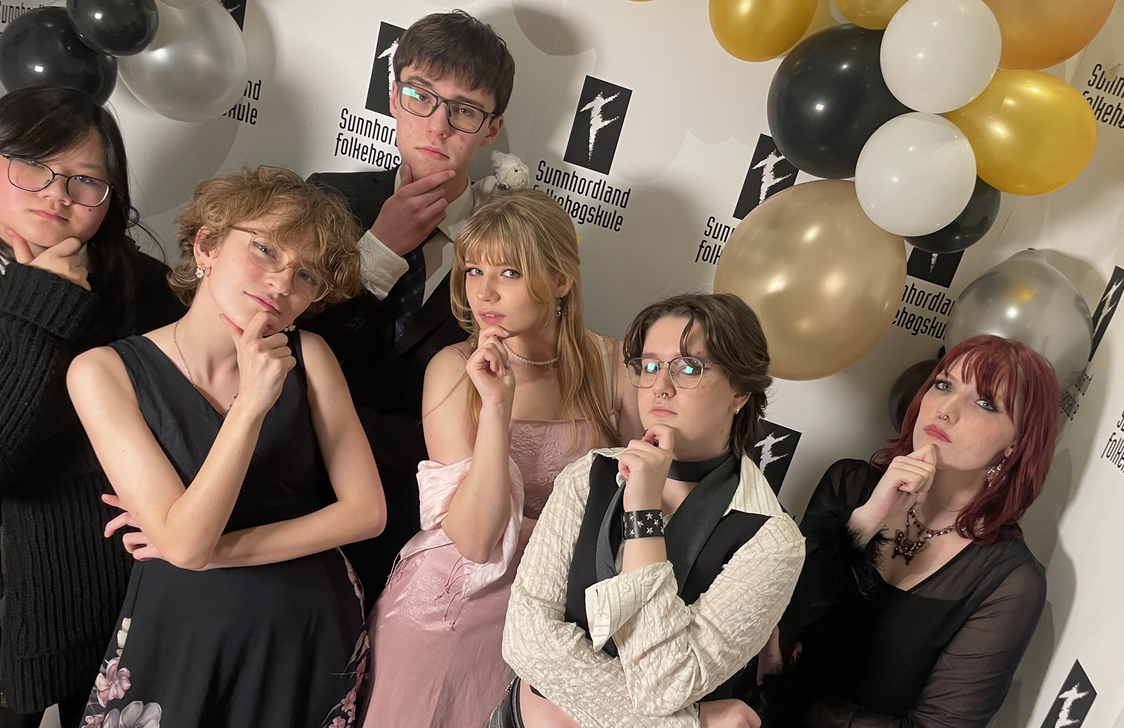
point(504, 412)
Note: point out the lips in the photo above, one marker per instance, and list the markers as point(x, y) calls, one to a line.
point(491, 317)
point(660, 411)
point(937, 433)
point(433, 153)
point(265, 303)
point(49, 216)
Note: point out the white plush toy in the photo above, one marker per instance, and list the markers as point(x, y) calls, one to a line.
point(508, 172)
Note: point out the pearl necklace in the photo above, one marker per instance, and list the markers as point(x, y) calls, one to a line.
point(525, 360)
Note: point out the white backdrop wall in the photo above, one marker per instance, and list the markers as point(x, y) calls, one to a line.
point(688, 125)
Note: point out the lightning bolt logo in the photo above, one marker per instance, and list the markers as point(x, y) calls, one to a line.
point(388, 54)
point(768, 457)
point(597, 120)
point(769, 178)
point(1069, 697)
point(1107, 305)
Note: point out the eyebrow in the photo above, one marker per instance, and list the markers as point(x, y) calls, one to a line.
point(428, 86)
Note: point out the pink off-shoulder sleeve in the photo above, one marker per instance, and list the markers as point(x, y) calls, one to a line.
point(437, 483)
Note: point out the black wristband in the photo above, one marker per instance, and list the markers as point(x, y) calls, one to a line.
point(642, 524)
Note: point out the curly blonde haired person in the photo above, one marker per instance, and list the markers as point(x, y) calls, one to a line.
point(310, 220)
point(220, 435)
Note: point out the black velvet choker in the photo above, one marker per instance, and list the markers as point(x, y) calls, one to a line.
point(694, 472)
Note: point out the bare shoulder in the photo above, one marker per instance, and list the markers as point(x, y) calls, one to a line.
point(98, 370)
point(315, 348)
point(447, 365)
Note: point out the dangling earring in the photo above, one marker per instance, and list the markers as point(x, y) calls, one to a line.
point(198, 271)
point(993, 472)
point(558, 309)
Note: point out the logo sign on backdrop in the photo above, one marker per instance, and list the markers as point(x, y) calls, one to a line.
point(938, 269)
point(237, 10)
point(382, 69)
point(592, 145)
point(1102, 318)
point(11, 11)
point(1106, 309)
point(246, 110)
point(773, 454)
point(1073, 702)
point(597, 125)
point(769, 173)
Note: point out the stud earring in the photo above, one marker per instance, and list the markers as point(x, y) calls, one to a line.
point(199, 271)
point(737, 410)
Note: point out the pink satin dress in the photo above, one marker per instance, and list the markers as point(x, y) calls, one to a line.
point(436, 654)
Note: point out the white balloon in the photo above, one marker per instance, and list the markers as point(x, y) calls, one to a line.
point(196, 67)
point(915, 174)
point(938, 55)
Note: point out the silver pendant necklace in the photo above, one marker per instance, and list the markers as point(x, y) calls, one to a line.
point(187, 370)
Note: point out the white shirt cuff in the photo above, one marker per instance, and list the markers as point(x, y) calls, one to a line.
point(379, 265)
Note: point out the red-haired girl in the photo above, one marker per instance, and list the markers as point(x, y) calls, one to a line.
point(918, 596)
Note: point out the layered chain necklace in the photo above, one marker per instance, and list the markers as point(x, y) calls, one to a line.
point(908, 548)
point(187, 370)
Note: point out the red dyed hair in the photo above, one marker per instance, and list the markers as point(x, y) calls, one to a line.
point(1020, 378)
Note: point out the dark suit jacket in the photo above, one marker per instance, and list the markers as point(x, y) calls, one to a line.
point(385, 378)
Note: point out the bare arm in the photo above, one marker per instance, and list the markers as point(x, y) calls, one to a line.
point(360, 508)
point(183, 523)
point(479, 511)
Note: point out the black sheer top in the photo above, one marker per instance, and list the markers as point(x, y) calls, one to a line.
point(940, 655)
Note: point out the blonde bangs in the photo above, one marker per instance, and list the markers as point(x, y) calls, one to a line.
point(529, 231)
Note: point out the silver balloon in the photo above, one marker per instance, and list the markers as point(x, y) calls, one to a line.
point(1027, 299)
point(196, 67)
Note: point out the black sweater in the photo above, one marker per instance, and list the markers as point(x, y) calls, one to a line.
point(62, 581)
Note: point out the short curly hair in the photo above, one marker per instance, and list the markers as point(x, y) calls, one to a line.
point(301, 207)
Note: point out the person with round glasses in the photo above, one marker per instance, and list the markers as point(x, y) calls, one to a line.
point(658, 571)
point(71, 278)
point(234, 448)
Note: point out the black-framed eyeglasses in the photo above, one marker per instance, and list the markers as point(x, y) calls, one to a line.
point(32, 176)
point(307, 284)
point(686, 371)
point(423, 102)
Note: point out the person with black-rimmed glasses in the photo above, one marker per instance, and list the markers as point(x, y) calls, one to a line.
point(71, 277)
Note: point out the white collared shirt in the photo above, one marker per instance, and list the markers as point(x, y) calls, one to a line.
point(381, 267)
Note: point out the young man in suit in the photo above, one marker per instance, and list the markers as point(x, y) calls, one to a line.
point(454, 76)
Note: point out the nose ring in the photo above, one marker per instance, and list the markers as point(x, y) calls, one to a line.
point(942, 417)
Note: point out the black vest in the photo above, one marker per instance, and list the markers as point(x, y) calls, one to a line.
point(733, 531)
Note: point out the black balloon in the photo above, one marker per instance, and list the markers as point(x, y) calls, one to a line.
point(968, 227)
point(116, 27)
point(905, 389)
point(827, 98)
point(40, 48)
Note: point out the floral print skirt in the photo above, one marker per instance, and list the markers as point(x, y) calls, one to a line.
point(276, 645)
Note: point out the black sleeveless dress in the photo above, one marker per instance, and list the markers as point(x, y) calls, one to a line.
point(276, 645)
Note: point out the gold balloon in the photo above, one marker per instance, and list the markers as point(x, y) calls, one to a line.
point(757, 30)
point(823, 278)
point(872, 14)
point(1043, 33)
point(1032, 133)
